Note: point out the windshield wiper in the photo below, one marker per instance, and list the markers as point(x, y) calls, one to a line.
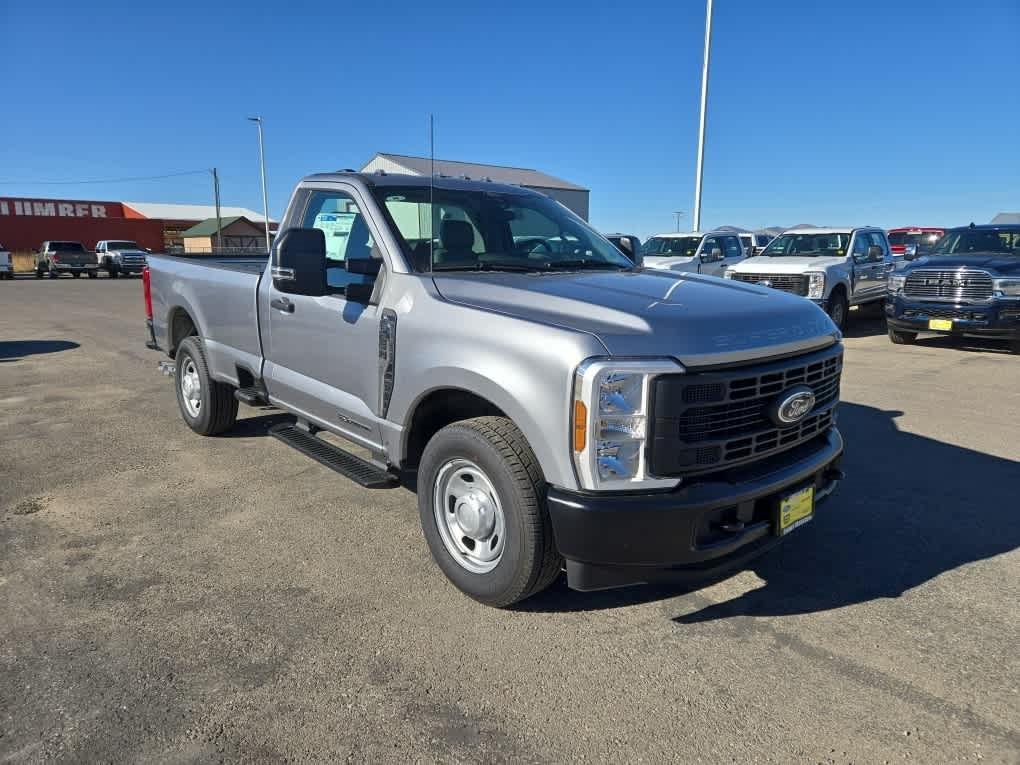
point(484, 266)
point(566, 265)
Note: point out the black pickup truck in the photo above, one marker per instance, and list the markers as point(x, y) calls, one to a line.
point(968, 285)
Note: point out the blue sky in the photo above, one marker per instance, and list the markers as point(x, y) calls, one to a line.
point(888, 113)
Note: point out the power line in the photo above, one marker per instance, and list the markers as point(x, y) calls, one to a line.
point(104, 180)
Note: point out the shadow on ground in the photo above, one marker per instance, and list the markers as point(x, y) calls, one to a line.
point(258, 425)
point(15, 350)
point(912, 508)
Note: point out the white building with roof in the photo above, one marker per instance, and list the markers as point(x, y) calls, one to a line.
point(569, 194)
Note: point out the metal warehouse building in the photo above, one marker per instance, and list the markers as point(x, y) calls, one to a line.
point(569, 194)
point(27, 222)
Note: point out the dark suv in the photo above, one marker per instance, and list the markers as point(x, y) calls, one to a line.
point(968, 285)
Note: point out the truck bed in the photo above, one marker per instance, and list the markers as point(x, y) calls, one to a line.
point(218, 293)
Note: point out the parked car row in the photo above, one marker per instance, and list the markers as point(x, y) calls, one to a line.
point(962, 281)
point(55, 257)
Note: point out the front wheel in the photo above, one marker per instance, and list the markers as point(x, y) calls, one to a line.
point(481, 498)
point(93, 274)
point(53, 274)
point(1014, 345)
point(76, 274)
point(902, 338)
point(837, 308)
point(112, 272)
point(208, 406)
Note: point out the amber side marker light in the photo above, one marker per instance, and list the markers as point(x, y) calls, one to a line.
point(580, 425)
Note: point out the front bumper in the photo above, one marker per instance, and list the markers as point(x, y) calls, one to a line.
point(996, 319)
point(74, 267)
point(693, 532)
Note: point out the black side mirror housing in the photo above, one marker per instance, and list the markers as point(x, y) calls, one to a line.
point(875, 253)
point(366, 266)
point(300, 262)
point(910, 252)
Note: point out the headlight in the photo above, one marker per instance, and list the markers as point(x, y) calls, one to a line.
point(1008, 287)
point(896, 282)
point(610, 423)
point(816, 285)
point(728, 273)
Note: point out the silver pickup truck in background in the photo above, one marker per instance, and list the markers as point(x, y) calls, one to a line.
point(120, 257)
point(553, 405)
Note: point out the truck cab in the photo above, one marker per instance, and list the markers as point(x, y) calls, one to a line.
point(834, 267)
point(967, 286)
point(695, 252)
point(754, 243)
point(120, 257)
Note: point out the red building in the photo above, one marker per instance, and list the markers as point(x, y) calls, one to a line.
point(25, 223)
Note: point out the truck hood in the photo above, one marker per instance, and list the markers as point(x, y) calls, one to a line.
point(699, 320)
point(787, 264)
point(997, 265)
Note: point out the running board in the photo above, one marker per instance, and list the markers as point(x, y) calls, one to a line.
point(253, 395)
point(357, 469)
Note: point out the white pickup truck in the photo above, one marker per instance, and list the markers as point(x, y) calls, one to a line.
point(695, 252)
point(6, 270)
point(119, 256)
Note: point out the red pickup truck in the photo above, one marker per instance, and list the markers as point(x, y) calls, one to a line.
point(922, 238)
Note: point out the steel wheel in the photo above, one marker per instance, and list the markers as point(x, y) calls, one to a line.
point(469, 516)
point(191, 388)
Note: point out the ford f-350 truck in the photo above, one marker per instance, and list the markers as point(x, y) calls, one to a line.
point(553, 405)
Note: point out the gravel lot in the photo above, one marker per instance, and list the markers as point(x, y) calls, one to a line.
point(166, 596)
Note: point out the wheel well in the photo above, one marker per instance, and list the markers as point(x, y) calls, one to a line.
point(439, 409)
point(181, 326)
point(838, 288)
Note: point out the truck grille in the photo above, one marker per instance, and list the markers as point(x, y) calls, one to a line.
point(961, 285)
point(707, 421)
point(795, 283)
point(132, 261)
point(945, 313)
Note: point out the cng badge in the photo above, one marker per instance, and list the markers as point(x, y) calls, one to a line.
point(792, 406)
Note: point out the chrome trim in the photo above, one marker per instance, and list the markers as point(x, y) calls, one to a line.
point(283, 274)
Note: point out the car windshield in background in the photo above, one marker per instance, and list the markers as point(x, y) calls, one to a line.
point(66, 247)
point(672, 245)
point(808, 245)
point(493, 231)
point(976, 241)
point(924, 240)
point(122, 246)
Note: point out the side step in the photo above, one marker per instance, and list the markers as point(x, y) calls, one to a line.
point(253, 395)
point(361, 471)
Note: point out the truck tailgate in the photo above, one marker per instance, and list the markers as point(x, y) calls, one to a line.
point(218, 295)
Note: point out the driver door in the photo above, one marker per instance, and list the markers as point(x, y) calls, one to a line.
point(868, 277)
point(322, 351)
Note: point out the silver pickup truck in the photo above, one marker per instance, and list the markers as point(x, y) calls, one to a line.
point(553, 405)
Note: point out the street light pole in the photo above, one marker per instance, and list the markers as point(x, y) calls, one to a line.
point(704, 108)
point(262, 169)
point(679, 214)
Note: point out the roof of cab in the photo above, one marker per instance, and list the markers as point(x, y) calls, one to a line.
point(399, 179)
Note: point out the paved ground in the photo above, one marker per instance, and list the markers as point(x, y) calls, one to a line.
point(165, 596)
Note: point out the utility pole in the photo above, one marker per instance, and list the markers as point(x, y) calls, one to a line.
point(262, 169)
point(679, 214)
point(219, 220)
point(704, 108)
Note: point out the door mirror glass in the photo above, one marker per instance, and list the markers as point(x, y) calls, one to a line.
point(714, 255)
point(300, 262)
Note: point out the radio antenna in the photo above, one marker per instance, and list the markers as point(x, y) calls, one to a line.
point(432, 184)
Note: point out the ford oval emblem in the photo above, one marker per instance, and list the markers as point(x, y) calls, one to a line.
point(792, 406)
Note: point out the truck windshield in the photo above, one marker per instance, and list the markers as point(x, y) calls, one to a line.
point(122, 246)
point(672, 245)
point(66, 247)
point(809, 245)
point(476, 230)
point(971, 241)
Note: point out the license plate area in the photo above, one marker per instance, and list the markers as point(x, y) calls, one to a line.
point(941, 325)
point(795, 509)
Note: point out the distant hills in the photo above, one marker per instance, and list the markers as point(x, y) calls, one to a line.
point(771, 230)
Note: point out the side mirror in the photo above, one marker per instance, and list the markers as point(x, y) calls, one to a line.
point(366, 266)
point(713, 256)
point(300, 262)
point(910, 252)
point(359, 293)
point(875, 253)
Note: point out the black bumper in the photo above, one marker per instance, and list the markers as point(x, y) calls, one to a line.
point(693, 532)
point(997, 319)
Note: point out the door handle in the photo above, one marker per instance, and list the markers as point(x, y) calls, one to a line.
point(282, 304)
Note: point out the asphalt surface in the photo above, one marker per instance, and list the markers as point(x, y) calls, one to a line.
point(169, 597)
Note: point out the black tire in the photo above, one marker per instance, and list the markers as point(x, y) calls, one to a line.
point(53, 274)
point(902, 338)
point(1014, 345)
point(93, 274)
point(113, 273)
point(838, 308)
point(529, 562)
point(39, 271)
point(218, 409)
point(76, 274)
